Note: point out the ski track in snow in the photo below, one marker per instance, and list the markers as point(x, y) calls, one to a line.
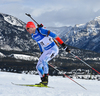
point(62, 86)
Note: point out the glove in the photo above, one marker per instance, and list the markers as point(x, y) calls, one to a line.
point(40, 25)
point(65, 47)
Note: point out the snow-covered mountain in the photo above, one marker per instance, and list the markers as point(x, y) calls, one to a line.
point(13, 35)
point(84, 36)
point(19, 52)
point(60, 31)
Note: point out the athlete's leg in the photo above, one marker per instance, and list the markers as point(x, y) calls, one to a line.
point(39, 68)
point(50, 54)
point(42, 65)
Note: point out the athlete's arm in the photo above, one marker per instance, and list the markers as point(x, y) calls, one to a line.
point(59, 40)
point(53, 35)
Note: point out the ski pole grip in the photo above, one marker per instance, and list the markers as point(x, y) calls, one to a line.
point(28, 14)
point(31, 18)
point(65, 47)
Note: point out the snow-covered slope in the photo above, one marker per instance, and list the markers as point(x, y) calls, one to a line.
point(23, 57)
point(62, 86)
point(2, 55)
point(12, 20)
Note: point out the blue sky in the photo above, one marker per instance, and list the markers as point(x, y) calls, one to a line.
point(53, 12)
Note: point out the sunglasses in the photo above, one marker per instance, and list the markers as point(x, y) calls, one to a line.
point(27, 28)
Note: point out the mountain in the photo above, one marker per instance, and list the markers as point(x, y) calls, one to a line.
point(84, 36)
point(60, 31)
point(18, 51)
point(13, 35)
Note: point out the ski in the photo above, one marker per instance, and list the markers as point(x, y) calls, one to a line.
point(31, 85)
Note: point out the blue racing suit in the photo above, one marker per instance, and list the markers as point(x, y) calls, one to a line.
point(47, 46)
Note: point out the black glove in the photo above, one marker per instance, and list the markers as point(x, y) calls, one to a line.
point(40, 25)
point(65, 47)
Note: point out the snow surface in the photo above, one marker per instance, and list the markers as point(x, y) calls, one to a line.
point(62, 86)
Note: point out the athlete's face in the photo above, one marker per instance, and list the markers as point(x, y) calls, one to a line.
point(31, 30)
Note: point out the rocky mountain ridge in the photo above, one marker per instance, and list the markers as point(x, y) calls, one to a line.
point(84, 36)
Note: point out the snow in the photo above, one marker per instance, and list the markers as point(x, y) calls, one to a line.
point(97, 58)
point(80, 25)
point(97, 18)
point(23, 57)
point(8, 47)
point(62, 86)
point(12, 20)
point(2, 55)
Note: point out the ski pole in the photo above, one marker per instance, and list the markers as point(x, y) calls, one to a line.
point(31, 18)
point(67, 76)
point(85, 63)
point(39, 25)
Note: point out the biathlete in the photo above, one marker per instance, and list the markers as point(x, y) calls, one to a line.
point(48, 48)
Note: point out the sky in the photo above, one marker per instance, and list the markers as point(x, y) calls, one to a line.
point(52, 13)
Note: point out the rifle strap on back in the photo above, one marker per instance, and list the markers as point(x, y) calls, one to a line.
point(48, 35)
point(56, 42)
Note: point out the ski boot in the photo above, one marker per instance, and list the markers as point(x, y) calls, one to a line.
point(44, 81)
